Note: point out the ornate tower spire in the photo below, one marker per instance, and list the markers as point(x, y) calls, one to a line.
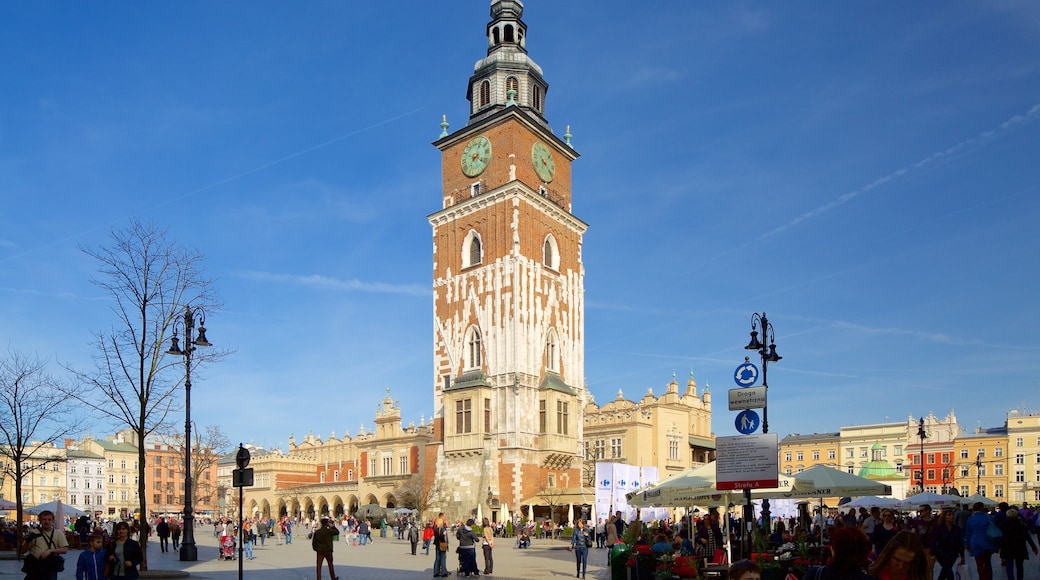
point(507, 76)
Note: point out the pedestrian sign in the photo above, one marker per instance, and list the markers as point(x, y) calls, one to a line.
point(747, 422)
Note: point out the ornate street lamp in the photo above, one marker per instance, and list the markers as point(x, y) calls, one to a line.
point(189, 552)
point(768, 355)
point(923, 435)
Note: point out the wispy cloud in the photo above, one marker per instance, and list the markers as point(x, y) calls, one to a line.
point(968, 144)
point(936, 337)
point(326, 283)
point(655, 74)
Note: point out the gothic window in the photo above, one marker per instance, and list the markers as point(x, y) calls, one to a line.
point(485, 93)
point(473, 348)
point(552, 355)
point(562, 417)
point(551, 253)
point(464, 416)
point(508, 37)
point(472, 253)
point(512, 84)
point(541, 416)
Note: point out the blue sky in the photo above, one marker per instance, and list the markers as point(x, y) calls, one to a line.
point(866, 173)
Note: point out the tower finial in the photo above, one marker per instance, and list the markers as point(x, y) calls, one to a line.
point(444, 126)
point(567, 137)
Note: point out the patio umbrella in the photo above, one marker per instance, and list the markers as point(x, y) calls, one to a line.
point(972, 499)
point(871, 501)
point(822, 481)
point(403, 511)
point(55, 507)
point(7, 504)
point(934, 500)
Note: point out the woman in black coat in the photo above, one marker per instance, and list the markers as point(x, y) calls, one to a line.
point(123, 554)
point(947, 544)
point(1013, 545)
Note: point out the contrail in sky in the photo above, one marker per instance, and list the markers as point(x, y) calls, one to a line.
point(215, 184)
point(980, 139)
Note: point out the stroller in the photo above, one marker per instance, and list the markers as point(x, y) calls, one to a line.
point(227, 548)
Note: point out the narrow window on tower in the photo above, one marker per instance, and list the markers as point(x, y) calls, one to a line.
point(541, 416)
point(509, 33)
point(536, 98)
point(473, 349)
point(561, 417)
point(487, 415)
point(551, 356)
point(485, 93)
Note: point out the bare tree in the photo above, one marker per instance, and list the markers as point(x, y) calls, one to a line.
point(553, 497)
point(417, 494)
point(150, 279)
point(207, 447)
point(33, 417)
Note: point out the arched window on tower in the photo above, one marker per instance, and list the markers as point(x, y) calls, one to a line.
point(485, 93)
point(551, 253)
point(495, 36)
point(473, 348)
point(509, 33)
point(474, 251)
point(552, 352)
point(513, 84)
point(471, 250)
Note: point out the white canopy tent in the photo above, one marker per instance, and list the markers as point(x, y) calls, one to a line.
point(59, 509)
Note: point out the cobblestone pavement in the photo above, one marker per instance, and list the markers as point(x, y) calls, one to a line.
point(386, 559)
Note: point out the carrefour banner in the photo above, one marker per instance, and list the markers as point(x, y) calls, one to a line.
point(604, 489)
point(626, 479)
point(650, 476)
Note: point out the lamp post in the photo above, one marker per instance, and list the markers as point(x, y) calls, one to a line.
point(189, 552)
point(978, 474)
point(768, 355)
point(923, 435)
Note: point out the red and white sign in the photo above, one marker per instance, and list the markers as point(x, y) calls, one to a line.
point(747, 462)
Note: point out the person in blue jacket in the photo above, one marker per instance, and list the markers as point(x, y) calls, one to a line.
point(977, 542)
point(91, 563)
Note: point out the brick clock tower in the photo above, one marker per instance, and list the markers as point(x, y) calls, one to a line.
point(508, 287)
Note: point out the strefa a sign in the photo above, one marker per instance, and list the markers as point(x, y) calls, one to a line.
point(747, 462)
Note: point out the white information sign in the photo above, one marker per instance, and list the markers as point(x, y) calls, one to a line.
point(747, 462)
point(747, 398)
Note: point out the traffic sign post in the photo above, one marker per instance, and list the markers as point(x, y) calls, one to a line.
point(746, 375)
point(747, 398)
point(747, 422)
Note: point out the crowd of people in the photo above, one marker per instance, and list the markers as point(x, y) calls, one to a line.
point(886, 545)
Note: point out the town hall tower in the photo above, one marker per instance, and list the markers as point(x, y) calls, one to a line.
point(508, 291)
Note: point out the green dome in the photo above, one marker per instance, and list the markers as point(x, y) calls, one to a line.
point(879, 470)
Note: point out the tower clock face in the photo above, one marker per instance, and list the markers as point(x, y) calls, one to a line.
point(542, 159)
point(475, 156)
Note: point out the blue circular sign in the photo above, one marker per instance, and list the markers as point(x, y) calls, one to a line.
point(747, 422)
point(746, 375)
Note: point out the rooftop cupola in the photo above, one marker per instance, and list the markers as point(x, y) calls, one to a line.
point(506, 77)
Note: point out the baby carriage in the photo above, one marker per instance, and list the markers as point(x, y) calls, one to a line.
point(227, 548)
